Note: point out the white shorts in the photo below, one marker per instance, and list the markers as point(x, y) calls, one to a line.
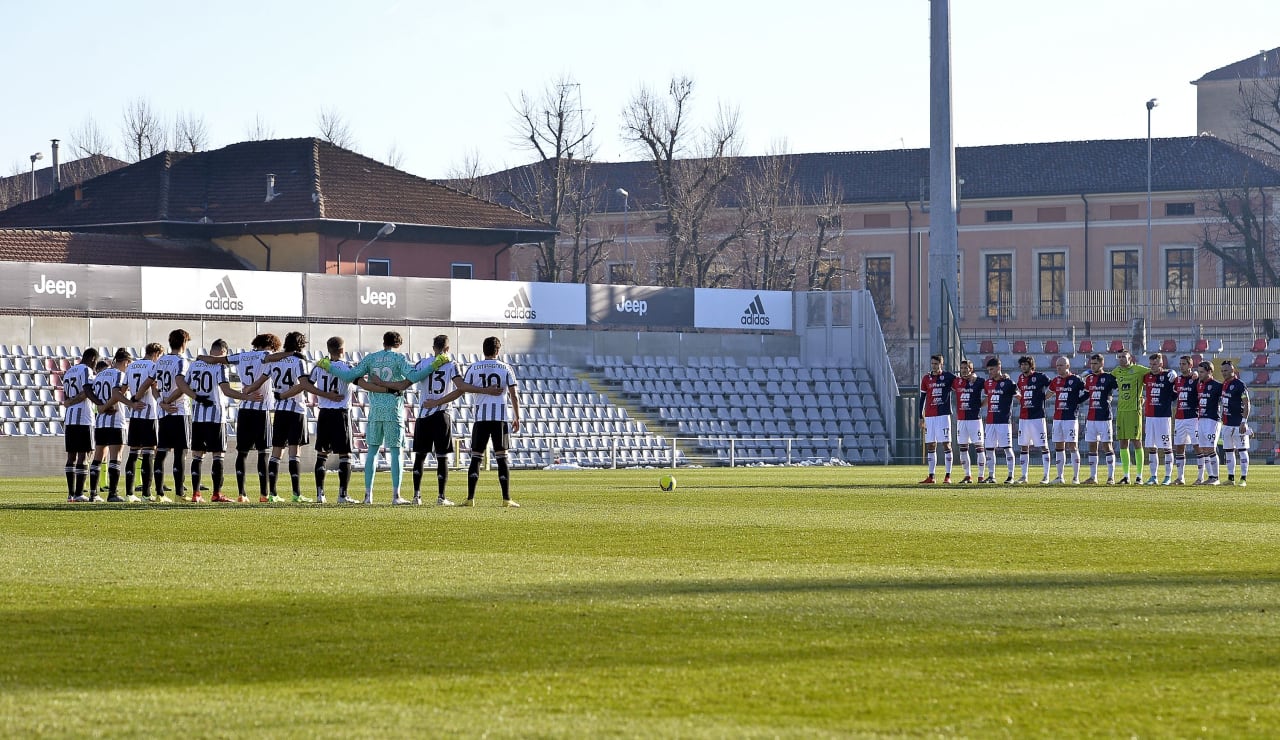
point(970, 432)
point(1207, 432)
point(999, 436)
point(1066, 430)
point(1184, 432)
point(1157, 433)
point(1031, 433)
point(1232, 439)
point(1099, 431)
point(937, 429)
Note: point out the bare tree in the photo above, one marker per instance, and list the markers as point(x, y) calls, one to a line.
point(690, 168)
point(395, 156)
point(190, 132)
point(558, 189)
point(787, 232)
point(142, 129)
point(824, 264)
point(87, 140)
point(334, 128)
point(259, 130)
point(468, 176)
point(1238, 228)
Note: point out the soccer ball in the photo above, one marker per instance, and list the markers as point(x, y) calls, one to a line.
point(667, 483)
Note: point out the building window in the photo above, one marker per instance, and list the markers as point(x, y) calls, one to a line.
point(1179, 209)
point(377, 267)
point(622, 273)
point(1053, 284)
point(1234, 276)
point(1124, 213)
point(879, 281)
point(1051, 215)
point(1124, 269)
point(1179, 278)
point(999, 215)
point(876, 221)
point(461, 270)
point(999, 281)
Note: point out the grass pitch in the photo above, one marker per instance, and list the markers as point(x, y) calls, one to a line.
point(759, 602)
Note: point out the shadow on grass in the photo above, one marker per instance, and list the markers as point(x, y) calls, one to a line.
point(615, 626)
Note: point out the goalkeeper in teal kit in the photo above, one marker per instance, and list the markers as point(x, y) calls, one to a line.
point(386, 410)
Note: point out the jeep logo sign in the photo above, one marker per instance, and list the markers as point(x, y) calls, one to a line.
point(49, 286)
point(640, 308)
point(371, 297)
point(639, 305)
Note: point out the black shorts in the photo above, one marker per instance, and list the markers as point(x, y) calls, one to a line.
point(142, 433)
point(108, 436)
point(289, 428)
point(79, 438)
point(333, 431)
point(433, 434)
point(252, 432)
point(208, 436)
point(173, 433)
point(484, 431)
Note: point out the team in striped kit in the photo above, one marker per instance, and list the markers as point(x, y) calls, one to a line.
point(163, 405)
point(1184, 414)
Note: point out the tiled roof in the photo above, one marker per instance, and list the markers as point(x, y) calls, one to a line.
point(17, 188)
point(1260, 66)
point(1004, 171)
point(31, 245)
point(315, 180)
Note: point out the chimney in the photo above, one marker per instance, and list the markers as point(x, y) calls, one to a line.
point(57, 179)
point(271, 188)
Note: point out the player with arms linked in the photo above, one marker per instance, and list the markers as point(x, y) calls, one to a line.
point(1032, 387)
point(108, 433)
point(1000, 391)
point(1157, 411)
point(1184, 418)
point(1101, 387)
point(969, 389)
point(935, 416)
point(1068, 393)
point(1235, 422)
point(1208, 424)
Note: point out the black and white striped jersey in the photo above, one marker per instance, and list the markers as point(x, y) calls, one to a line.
point(206, 380)
point(104, 383)
point(285, 374)
point(250, 366)
point(75, 380)
point(331, 383)
point(168, 369)
point(437, 384)
point(490, 373)
point(136, 375)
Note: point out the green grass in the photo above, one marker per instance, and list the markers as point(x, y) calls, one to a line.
point(797, 603)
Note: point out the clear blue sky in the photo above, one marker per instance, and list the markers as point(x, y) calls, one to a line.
point(436, 80)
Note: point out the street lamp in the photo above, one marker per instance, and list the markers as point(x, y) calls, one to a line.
point(384, 231)
point(626, 238)
point(34, 157)
point(1149, 257)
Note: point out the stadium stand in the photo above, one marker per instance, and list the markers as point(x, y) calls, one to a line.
point(644, 411)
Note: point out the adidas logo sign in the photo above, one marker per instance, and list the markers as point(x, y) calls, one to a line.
point(754, 315)
point(223, 297)
point(520, 306)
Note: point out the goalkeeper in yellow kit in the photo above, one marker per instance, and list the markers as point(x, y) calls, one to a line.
point(1128, 375)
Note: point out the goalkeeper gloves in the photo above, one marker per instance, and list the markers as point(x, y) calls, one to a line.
point(324, 363)
point(439, 361)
